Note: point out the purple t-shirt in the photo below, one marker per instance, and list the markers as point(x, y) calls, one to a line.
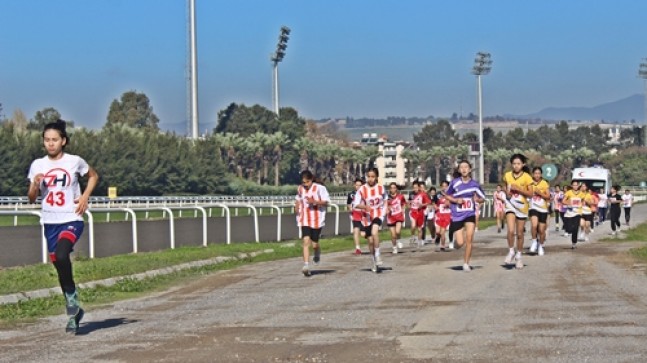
point(466, 190)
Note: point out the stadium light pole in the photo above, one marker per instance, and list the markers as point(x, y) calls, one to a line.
point(276, 58)
point(482, 66)
point(642, 73)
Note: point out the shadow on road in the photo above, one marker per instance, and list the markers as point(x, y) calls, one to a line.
point(321, 272)
point(91, 326)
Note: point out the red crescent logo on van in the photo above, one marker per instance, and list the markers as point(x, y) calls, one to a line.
point(580, 174)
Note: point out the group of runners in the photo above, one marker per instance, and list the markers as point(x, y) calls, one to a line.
point(451, 213)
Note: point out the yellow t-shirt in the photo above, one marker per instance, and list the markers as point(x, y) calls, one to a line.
point(536, 202)
point(518, 201)
point(574, 201)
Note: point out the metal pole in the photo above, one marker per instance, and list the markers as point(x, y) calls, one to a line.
point(194, 72)
point(276, 88)
point(481, 148)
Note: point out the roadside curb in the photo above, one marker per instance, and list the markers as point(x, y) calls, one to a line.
point(44, 293)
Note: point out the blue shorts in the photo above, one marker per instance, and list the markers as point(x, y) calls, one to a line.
point(54, 232)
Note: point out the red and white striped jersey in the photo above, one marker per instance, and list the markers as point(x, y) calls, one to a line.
point(309, 215)
point(374, 197)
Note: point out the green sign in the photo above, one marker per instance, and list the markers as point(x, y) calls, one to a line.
point(549, 171)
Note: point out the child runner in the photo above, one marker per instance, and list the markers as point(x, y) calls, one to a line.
point(56, 177)
point(355, 217)
point(517, 189)
point(371, 199)
point(573, 200)
point(419, 204)
point(602, 206)
point(311, 202)
point(627, 203)
point(463, 193)
point(615, 200)
point(395, 215)
point(443, 215)
point(499, 198)
point(558, 195)
point(413, 211)
point(587, 214)
point(431, 213)
point(538, 211)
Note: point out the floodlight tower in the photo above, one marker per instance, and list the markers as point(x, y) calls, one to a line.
point(277, 57)
point(482, 66)
point(642, 73)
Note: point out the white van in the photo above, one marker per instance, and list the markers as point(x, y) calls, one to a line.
point(596, 178)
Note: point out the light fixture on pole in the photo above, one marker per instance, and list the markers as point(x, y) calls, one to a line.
point(277, 57)
point(482, 66)
point(642, 73)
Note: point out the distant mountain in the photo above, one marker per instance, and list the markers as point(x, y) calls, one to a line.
point(624, 110)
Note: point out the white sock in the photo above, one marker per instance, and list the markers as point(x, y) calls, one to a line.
point(518, 255)
point(511, 250)
point(357, 247)
point(377, 251)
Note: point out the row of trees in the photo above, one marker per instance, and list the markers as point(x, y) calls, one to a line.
point(436, 150)
point(252, 147)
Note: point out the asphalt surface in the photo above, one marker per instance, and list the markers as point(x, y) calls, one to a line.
point(583, 305)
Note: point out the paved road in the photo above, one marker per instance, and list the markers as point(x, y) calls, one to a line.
point(587, 305)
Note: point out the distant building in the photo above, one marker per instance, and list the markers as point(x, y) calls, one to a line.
point(390, 163)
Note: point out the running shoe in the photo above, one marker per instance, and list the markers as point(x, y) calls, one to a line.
point(395, 250)
point(374, 267)
point(509, 258)
point(451, 245)
point(612, 233)
point(540, 250)
point(378, 260)
point(358, 252)
point(556, 228)
point(412, 241)
point(518, 264)
point(73, 322)
point(586, 239)
point(466, 267)
point(306, 271)
point(574, 246)
point(400, 245)
point(533, 246)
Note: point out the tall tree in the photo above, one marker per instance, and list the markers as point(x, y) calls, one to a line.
point(43, 117)
point(134, 110)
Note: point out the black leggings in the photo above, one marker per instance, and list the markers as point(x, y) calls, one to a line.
point(572, 226)
point(614, 217)
point(627, 214)
point(63, 265)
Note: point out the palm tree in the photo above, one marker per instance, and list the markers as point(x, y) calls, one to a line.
point(278, 140)
point(437, 153)
point(262, 141)
point(500, 156)
point(303, 146)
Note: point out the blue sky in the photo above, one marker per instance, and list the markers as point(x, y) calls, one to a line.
point(371, 58)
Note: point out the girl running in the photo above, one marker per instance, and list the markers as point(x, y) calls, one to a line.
point(431, 213)
point(371, 199)
point(395, 215)
point(419, 205)
point(589, 206)
point(627, 203)
point(311, 202)
point(558, 195)
point(517, 189)
point(443, 214)
point(355, 217)
point(56, 178)
point(538, 211)
point(615, 200)
point(499, 198)
point(463, 193)
point(573, 200)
